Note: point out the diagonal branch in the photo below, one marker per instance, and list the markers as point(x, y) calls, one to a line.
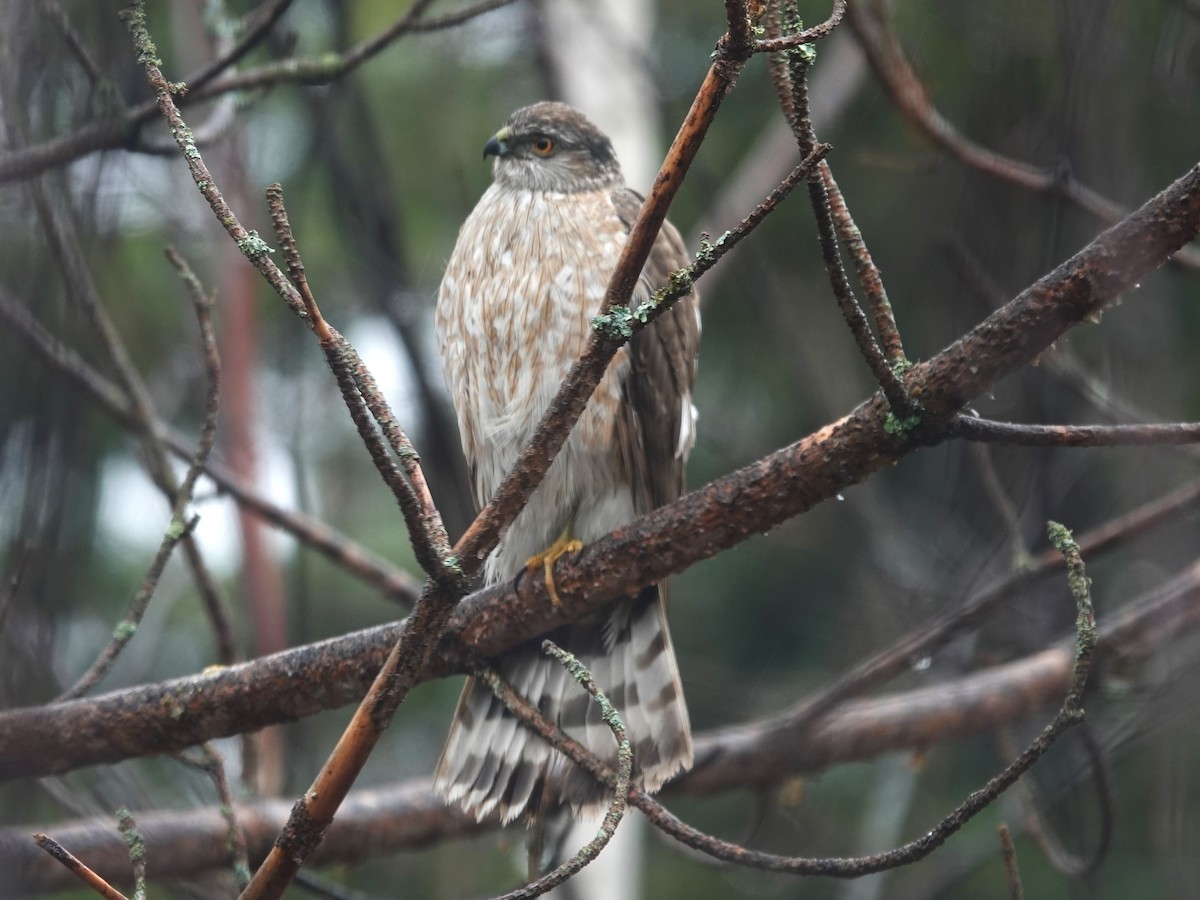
point(972, 428)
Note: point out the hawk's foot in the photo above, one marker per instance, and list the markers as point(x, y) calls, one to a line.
point(548, 557)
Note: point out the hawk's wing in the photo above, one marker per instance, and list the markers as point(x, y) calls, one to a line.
point(656, 424)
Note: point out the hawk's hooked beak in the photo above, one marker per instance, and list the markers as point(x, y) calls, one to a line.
point(497, 145)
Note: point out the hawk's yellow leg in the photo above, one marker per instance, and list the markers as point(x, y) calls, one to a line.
point(563, 544)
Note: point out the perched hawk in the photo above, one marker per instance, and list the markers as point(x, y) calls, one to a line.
point(514, 311)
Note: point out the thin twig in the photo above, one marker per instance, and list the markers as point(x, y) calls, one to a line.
point(429, 547)
point(1063, 362)
point(1069, 714)
point(82, 289)
point(816, 33)
point(211, 763)
point(361, 394)
point(868, 273)
point(1064, 861)
point(994, 490)
point(616, 809)
point(180, 527)
point(973, 428)
point(136, 846)
point(71, 36)
point(77, 868)
point(621, 323)
point(126, 628)
point(1012, 873)
point(328, 890)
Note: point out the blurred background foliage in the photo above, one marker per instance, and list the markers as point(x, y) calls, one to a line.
point(381, 166)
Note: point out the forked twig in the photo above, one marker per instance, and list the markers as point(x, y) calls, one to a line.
point(365, 402)
point(791, 78)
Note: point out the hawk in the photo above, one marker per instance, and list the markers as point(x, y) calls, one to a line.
point(514, 311)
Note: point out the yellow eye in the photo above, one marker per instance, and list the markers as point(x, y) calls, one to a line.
point(543, 146)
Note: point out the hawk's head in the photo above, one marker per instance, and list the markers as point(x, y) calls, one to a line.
point(552, 147)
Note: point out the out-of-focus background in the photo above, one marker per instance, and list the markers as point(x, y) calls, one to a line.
point(381, 165)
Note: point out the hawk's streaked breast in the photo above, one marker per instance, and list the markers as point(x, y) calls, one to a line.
point(527, 275)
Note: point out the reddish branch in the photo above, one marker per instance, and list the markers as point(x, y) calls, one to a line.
point(73, 865)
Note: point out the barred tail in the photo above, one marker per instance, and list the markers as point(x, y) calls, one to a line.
point(493, 764)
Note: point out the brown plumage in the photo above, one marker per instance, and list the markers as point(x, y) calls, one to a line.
point(527, 275)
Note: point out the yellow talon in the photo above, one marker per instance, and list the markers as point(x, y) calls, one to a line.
point(548, 557)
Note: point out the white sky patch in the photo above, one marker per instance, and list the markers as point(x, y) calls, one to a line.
point(133, 513)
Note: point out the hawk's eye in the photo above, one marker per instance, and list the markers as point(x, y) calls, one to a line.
point(543, 146)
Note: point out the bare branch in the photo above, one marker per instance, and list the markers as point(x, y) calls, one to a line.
point(137, 851)
point(972, 428)
point(808, 36)
point(78, 869)
point(210, 762)
point(180, 528)
point(430, 543)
